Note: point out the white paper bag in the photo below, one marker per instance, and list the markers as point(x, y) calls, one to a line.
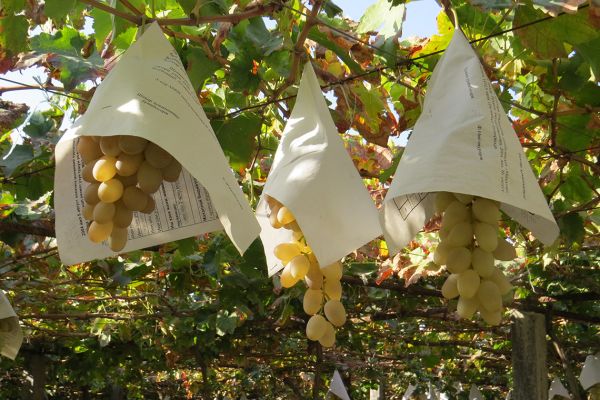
point(590, 373)
point(337, 386)
point(313, 175)
point(149, 94)
point(409, 391)
point(558, 389)
point(463, 142)
point(475, 394)
point(11, 336)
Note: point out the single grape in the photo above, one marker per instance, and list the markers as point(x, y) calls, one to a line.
point(466, 307)
point(316, 327)
point(135, 199)
point(286, 279)
point(335, 312)
point(149, 178)
point(110, 145)
point(461, 234)
point(87, 172)
point(332, 289)
point(486, 236)
point(489, 296)
point(99, 232)
point(88, 212)
point(455, 212)
point(328, 338)
point(157, 156)
point(150, 205)
point(483, 262)
point(314, 277)
point(286, 251)
point(118, 239)
point(110, 191)
point(285, 216)
point(299, 266)
point(88, 149)
point(132, 144)
point(104, 168)
point(491, 317)
point(90, 194)
point(311, 303)
point(442, 201)
point(333, 272)
point(500, 279)
point(123, 216)
point(505, 251)
point(440, 254)
point(458, 260)
point(486, 210)
point(463, 198)
point(450, 288)
point(468, 283)
point(128, 164)
point(172, 171)
point(104, 212)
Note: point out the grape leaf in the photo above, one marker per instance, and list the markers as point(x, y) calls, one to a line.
point(571, 227)
point(236, 137)
point(58, 9)
point(13, 31)
point(199, 66)
point(38, 125)
point(383, 14)
point(20, 154)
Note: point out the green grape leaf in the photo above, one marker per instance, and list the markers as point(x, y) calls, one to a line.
point(571, 227)
point(199, 67)
point(382, 14)
point(20, 154)
point(237, 138)
point(58, 9)
point(102, 27)
point(38, 125)
point(13, 33)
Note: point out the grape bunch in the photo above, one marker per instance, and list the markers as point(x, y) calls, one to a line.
point(323, 285)
point(122, 173)
point(469, 244)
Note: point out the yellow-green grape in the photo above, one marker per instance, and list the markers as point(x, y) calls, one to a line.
point(88, 149)
point(134, 198)
point(442, 201)
point(128, 180)
point(104, 168)
point(299, 266)
point(483, 262)
point(450, 288)
point(118, 239)
point(149, 178)
point(468, 283)
point(172, 171)
point(132, 144)
point(273, 216)
point(328, 338)
point(335, 312)
point(486, 210)
point(458, 260)
point(150, 205)
point(466, 307)
point(333, 272)
point(312, 301)
point(110, 191)
point(104, 212)
point(440, 254)
point(316, 327)
point(286, 251)
point(500, 279)
point(491, 317)
point(286, 278)
point(504, 251)
point(87, 172)
point(464, 198)
point(99, 232)
point(293, 226)
point(128, 164)
point(314, 277)
point(110, 145)
point(443, 232)
point(489, 296)
point(123, 216)
point(332, 289)
point(90, 194)
point(461, 234)
point(455, 212)
point(88, 212)
point(285, 216)
point(486, 236)
point(157, 156)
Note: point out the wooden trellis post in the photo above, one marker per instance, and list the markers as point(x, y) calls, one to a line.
point(529, 353)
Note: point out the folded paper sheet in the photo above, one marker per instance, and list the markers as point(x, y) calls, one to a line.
point(475, 393)
point(590, 373)
point(409, 391)
point(11, 335)
point(337, 386)
point(149, 94)
point(558, 389)
point(313, 175)
point(463, 142)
